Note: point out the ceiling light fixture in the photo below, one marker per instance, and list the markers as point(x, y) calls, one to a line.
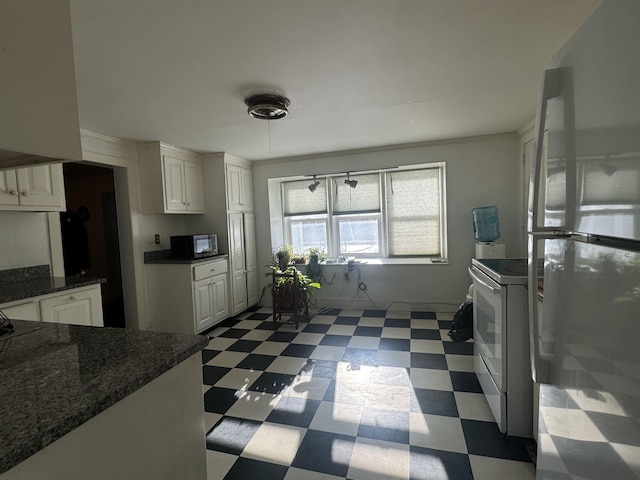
point(314, 185)
point(267, 106)
point(351, 183)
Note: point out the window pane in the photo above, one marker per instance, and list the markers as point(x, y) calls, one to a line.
point(364, 198)
point(298, 199)
point(358, 234)
point(308, 231)
point(413, 208)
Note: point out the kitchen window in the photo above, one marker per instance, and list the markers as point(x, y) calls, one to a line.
point(390, 213)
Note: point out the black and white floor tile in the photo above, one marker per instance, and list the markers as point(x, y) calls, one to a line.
point(355, 394)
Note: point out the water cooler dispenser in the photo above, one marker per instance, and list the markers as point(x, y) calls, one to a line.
point(486, 229)
point(490, 250)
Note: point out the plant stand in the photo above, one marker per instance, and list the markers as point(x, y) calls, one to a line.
point(288, 298)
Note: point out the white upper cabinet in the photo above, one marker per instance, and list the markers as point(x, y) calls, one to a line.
point(239, 189)
point(8, 188)
point(39, 188)
point(171, 179)
point(194, 182)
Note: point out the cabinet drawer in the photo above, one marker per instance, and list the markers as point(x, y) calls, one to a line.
point(209, 269)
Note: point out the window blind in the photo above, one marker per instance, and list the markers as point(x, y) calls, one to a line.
point(414, 212)
point(299, 200)
point(365, 198)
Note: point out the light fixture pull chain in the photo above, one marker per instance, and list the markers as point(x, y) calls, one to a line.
point(269, 133)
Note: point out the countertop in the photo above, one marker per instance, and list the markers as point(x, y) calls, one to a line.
point(55, 377)
point(34, 287)
point(20, 283)
point(164, 257)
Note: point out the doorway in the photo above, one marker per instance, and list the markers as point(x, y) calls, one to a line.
point(90, 240)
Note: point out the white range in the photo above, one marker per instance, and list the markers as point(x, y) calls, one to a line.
point(501, 341)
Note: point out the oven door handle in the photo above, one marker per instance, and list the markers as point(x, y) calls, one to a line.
point(476, 278)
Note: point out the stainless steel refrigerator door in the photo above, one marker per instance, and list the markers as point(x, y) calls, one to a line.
point(591, 116)
point(589, 422)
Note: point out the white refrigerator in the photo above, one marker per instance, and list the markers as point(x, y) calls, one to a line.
point(584, 222)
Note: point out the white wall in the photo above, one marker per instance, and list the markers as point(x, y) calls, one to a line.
point(164, 225)
point(24, 240)
point(480, 171)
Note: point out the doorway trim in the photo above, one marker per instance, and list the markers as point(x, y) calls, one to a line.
point(122, 155)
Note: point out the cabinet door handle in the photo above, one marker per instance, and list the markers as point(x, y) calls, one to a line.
point(25, 193)
point(73, 298)
point(14, 192)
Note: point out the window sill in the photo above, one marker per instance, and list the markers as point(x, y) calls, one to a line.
point(392, 261)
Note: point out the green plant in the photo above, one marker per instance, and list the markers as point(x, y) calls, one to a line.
point(314, 268)
point(318, 253)
point(283, 255)
point(284, 285)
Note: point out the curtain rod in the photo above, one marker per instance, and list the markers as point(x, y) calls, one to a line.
point(351, 172)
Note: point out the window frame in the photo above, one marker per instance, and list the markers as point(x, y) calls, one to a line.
point(332, 219)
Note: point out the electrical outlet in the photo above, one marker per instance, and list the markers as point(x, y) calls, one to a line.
point(156, 238)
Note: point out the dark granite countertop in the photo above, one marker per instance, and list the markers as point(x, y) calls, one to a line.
point(20, 283)
point(164, 257)
point(55, 377)
point(34, 287)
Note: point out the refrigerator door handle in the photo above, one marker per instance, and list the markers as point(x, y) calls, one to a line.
point(550, 90)
point(539, 361)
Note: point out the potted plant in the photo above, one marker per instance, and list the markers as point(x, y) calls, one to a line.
point(284, 254)
point(283, 288)
point(314, 267)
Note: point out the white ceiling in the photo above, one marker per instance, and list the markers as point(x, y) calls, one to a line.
point(359, 73)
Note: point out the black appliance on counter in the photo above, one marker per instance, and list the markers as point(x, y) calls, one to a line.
point(194, 246)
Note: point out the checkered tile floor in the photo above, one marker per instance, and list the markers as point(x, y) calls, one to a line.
point(357, 394)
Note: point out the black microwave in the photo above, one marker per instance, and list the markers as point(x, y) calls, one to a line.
point(194, 246)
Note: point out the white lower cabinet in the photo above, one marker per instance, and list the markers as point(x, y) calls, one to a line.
point(22, 311)
point(187, 298)
point(76, 306)
point(210, 301)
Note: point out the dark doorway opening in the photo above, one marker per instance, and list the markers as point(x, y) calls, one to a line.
point(90, 234)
